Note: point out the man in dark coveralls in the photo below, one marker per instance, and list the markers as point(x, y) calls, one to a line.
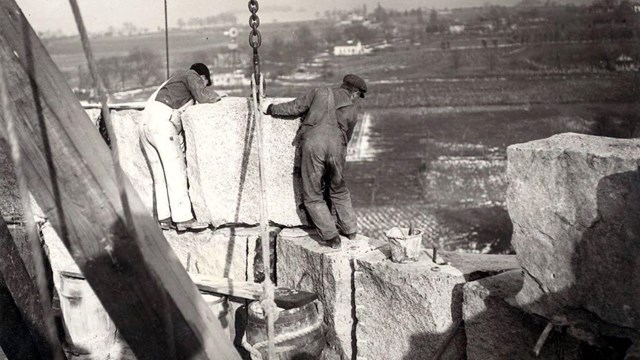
point(329, 117)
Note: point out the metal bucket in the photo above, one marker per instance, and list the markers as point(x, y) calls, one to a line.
point(299, 332)
point(405, 248)
point(87, 326)
point(219, 306)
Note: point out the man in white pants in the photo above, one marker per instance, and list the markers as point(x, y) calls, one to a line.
point(161, 142)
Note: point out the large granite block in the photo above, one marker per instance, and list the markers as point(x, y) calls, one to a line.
point(406, 311)
point(305, 265)
point(575, 205)
point(222, 158)
point(227, 252)
point(497, 330)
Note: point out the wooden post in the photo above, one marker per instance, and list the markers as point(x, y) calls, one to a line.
point(26, 296)
point(135, 274)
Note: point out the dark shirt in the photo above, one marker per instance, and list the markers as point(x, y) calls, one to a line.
point(184, 87)
point(313, 107)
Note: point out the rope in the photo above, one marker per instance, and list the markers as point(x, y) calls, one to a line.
point(257, 86)
point(267, 299)
point(32, 235)
point(106, 115)
point(255, 353)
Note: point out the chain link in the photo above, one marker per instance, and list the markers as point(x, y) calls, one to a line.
point(255, 39)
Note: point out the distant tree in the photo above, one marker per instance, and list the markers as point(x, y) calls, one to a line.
point(331, 35)
point(419, 16)
point(195, 22)
point(304, 43)
point(181, 23)
point(145, 66)
point(227, 18)
point(359, 32)
point(380, 14)
point(433, 26)
point(128, 28)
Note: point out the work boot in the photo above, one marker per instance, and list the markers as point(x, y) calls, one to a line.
point(165, 224)
point(334, 242)
point(352, 236)
point(191, 225)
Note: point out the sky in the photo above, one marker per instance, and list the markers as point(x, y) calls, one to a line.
point(98, 15)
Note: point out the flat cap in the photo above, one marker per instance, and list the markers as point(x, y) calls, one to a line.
point(357, 82)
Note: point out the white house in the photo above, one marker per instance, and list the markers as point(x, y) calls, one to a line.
point(230, 79)
point(456, 29)
point(350, 48)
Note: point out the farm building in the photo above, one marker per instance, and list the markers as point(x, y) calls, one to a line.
point(456, 28)
point(349, 49)
point(625, 63)
point(230, 79)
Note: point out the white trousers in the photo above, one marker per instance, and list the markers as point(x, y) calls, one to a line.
point(161, 144)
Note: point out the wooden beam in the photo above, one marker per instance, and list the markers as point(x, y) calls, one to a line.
point(119, 106)
point(25, 294)
point(15, 339)
point(284, 298)
point(135, 274)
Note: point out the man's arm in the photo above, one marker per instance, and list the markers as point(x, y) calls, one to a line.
point(296, 107)
point(200, 92)
point(352, 120)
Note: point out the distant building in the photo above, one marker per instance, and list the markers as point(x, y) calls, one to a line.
point(456, 29)
point(480, 28)
point(349, 49)
point(230, 79)
point(625, 63)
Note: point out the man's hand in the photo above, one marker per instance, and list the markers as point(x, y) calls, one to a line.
point(268, 110)
point(220, 96)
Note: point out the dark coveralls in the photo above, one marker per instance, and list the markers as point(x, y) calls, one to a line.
point(324, 133)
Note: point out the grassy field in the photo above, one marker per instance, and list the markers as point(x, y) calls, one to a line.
point(445, 168)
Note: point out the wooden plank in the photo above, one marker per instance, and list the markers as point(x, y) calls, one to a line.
point(26, 295)
point(284, 298)
point(119, 106)
point(135, 274)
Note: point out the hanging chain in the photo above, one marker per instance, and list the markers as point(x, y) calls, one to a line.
point(255, 38)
